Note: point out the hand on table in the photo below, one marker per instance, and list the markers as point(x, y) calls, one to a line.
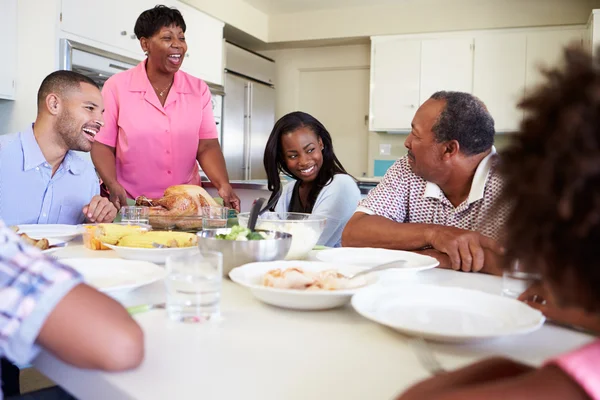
point(100, 210)
point(230, 199)
point(539, 297)
point(465, 249)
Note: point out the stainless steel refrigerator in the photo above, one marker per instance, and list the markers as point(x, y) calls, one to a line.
point(248, 112)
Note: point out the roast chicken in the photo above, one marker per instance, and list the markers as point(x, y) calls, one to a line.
point(178, 207)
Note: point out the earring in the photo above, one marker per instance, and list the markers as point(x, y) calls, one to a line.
point(146, 53)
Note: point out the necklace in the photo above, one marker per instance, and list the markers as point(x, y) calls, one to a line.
point(161, 93)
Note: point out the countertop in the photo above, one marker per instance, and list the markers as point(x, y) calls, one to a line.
point(364, 184)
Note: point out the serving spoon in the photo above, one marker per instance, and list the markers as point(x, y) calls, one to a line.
point(256, 207)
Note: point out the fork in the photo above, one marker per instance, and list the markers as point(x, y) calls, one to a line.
point(426, 356)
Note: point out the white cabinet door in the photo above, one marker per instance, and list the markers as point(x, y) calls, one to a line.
point(100, 22)
point(395, 77)
point(499, 76)
point(204, 37)
point(8, 33)
point(446, 64)
point(546, 49)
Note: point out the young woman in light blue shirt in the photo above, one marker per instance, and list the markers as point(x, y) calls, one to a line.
point(301, 148)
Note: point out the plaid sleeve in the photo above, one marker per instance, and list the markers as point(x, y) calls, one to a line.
point(30, 287)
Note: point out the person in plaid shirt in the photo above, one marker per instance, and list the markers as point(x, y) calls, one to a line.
point(439, 199)
point(46, 304)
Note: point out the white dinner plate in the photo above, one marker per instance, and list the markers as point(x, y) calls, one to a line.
point(112, 275)
point(367, 257)
point(152, 255)
point(50, 231)
point(58, 244)
point(250, 276)
point(448, 314)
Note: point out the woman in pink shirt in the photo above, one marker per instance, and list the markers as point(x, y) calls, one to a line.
point(552, 181)
point(158, 120)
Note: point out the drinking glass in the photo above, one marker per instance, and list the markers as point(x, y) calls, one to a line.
point(517, 280)
point(135, 214)
point(214, 217)
point(193, 286)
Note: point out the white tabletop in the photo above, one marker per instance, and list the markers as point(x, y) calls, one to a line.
point(261, 352)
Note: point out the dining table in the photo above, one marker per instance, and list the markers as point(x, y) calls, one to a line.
point(258, 351)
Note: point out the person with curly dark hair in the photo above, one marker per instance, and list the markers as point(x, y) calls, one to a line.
point(552, 184)
point(437, 199)
point(159, 122)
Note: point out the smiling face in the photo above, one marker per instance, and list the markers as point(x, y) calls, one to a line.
point(79, 117)
point(302, 152)
point(424, 152)
point(166, 49)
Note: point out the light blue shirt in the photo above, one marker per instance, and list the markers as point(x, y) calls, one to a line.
point(29, 194)
point(336, 201)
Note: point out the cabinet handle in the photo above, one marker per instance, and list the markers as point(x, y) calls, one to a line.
point(123, 33)
point(187, 55)
point(133, 37)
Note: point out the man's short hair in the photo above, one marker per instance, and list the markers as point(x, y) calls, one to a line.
point(466, 120)
point(61, 82)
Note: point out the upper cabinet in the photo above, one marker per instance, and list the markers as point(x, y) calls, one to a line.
point(496, 66)
point(204, 37)
point(8, 31)
point(446, 64)
point(395, 78)
point(97, 22)
point(499, 78)
point(540, 55)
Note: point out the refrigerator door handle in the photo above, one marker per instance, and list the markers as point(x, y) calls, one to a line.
point(247, 130)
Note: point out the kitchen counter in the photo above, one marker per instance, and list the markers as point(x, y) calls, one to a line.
point(255, 184)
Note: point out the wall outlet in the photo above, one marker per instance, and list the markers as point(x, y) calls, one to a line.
point(385, 149)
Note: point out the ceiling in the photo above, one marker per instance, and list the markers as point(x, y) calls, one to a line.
point(274, 7)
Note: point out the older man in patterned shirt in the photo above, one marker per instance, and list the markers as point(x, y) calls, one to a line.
point(438, 199)
point(45, 304)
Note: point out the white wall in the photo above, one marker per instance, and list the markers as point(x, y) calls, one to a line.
point(418, 16)
point(37, 56)
point(236, 13)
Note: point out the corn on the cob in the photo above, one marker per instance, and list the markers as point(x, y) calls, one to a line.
point(112, 233)
point(169, 239)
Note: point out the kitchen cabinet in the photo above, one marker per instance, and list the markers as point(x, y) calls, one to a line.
point(8, 32)
point(204, 37)
point(546, 49)
point(395, 84)
point(499, 76)
point(446, 64)
point(109, 22)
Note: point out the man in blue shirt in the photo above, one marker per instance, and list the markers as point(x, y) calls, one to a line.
point(42, 179)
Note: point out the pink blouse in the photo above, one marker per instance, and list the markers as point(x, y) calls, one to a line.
point(156, 146)
point(583, 366)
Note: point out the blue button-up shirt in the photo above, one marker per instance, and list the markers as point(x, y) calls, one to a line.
point(29, 194)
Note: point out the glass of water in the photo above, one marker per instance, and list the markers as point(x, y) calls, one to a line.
point(193, 286)
point(135, 214)
point(214, 217)
point(517, 280)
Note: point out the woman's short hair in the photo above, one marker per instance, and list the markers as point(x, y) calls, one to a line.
point(552, 181)
point(151, 21)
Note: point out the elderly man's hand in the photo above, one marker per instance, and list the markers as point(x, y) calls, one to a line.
point(466, 249)
point(100, 210)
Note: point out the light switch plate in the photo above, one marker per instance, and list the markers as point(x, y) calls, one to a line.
point(385, 149)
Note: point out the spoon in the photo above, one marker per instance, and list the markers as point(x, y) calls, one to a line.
point(380, 267)
point(254, 213)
